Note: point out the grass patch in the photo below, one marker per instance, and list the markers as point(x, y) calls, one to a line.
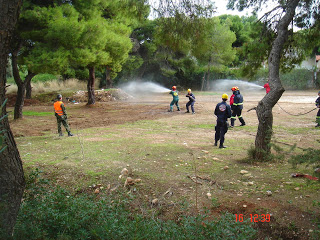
point(205, 126)
point(32, 113)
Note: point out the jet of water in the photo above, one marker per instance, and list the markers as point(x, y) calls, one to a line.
point(224, 85)
point(143, 87)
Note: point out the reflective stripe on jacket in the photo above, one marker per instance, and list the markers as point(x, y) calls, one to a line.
point(57, 108)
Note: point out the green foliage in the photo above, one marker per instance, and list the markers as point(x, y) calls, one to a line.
point(297, 79)
point(54, 213)
point(279, 154)
point(310, 157)
point(66, 37)
point(44, 77)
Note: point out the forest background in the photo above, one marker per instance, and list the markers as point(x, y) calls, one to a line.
point(117, 42)
point(125, 45)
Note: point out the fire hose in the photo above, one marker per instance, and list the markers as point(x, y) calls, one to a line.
point(299, 114)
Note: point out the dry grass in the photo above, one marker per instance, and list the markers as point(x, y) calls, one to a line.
point(54, 86)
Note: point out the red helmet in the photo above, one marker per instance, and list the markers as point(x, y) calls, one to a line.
point(233, 89)
point(174, 88)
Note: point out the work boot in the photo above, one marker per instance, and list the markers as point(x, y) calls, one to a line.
point(178, 109)
point(187, 111)
point(170, 110)
point(193, 112)
point(232, 122)
point(70, 134)
point(216, 143)
point(60, 135)
point(242, 122)
point(222, 146)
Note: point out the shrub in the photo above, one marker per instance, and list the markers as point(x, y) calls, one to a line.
point(296, 79)
point(44, 77)
point(310, 157)
point(54, 213)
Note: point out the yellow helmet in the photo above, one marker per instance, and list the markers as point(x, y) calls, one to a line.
point(189, 90)
point(225, 96)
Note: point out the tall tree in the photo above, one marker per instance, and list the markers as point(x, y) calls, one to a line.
point(213, 48)
point(280, 18)
point(29, 37)
point(12, 181)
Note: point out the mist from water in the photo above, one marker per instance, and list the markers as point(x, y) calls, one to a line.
point(224, 85)
point(143, 87)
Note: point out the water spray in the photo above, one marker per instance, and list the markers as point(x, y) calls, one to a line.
point(226, 85)
point(143, 87)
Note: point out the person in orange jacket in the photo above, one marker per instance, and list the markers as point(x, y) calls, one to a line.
point(61, 115)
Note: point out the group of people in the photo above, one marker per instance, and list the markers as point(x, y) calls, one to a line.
point(175, 100)
point(223, 111)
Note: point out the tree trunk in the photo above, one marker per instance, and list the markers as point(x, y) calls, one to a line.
point(29, 90)
point(264, 108)
point(19, 101)
point(203, 81)
point(12, 181)
point(90, 86)
point(109, 83)
point(21, 85)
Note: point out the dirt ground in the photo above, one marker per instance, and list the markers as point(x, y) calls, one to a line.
point(155, 106)
point(150, 107)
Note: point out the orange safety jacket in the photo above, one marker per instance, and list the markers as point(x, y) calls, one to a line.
point(57, 108)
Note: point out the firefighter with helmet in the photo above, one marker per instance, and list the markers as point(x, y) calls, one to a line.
point(237, 107)
point(233, 89)
point(191, 102)
point(61, 115)
point(223, 112)
point(318, 114)
point(175, 100)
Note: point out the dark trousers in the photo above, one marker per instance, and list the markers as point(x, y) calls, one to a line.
point(190, 103)
point(221, 129)
point(236, 112)
point(318, 117)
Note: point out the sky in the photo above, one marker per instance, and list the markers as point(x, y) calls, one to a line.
point(222, 9)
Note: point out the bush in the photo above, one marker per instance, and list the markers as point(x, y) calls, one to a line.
point(54, 213)
point(44, 77)
point(310, 157)
point(297, 79)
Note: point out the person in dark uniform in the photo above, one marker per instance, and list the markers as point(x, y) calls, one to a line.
point(318, 114)
point(192, 100)
point(61, 115)
point(223, 112)
point(237, 107)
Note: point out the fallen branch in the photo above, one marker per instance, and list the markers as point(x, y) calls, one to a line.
point(194, 179)
point(211, 182)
